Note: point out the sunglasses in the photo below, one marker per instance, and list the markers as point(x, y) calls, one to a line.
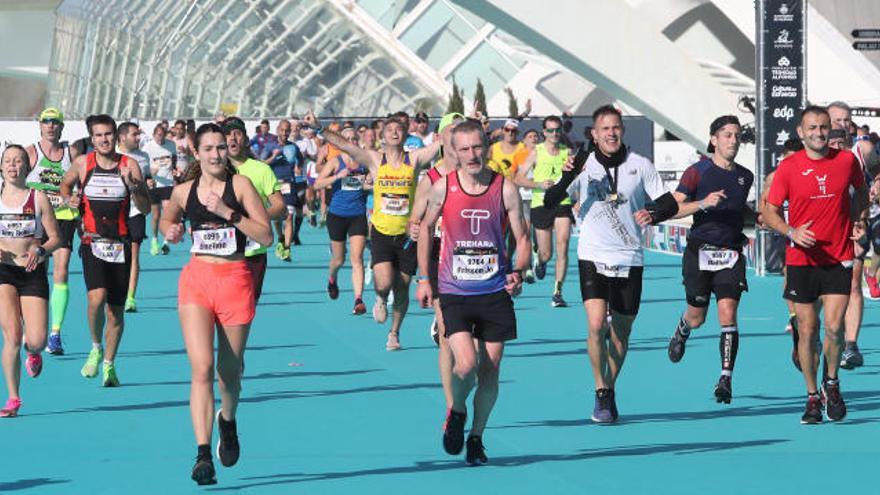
point(51, 121)
point(557, 130)
point(511, 130)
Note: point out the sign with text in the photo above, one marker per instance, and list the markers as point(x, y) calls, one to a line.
point(781, 85)
point(866, 33)
point(866, 45)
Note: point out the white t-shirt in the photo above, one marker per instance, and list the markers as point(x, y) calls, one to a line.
point(143, 160)
point(608, 232)
point(160, 160)
point(307, 146)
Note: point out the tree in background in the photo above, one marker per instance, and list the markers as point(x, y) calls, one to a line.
point(480, 99)
point(456, 100)
point(512, 107)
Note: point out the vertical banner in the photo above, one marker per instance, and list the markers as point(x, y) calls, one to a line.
point(780, 43)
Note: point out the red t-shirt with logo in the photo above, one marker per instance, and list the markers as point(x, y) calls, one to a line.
point(818, 190)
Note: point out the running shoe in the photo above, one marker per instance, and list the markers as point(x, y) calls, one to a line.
point(203, 472)
point(297, 241)
point(313, 220)
point(279, 250)
point(851, 359)
point(130, 305)
point(54, 345)
point(110, 379)
point(227, 448)
point(529, 276)
point(34, 364)
point(873, 286)
point(676, 347)
point(333, 290)
point(10, 410)
point(359, 307)
point(393, 342)
point(835, 408)
point(453, 432)
point(602, 410)
point(380, 311)
point(813, 413)
point(154, 247)
point(540, 270)
point(475, 455)
point(165, 249)
point(723, 390)
point(435, 332)
point(90, 369)
point(558, 302)
point(285, 255)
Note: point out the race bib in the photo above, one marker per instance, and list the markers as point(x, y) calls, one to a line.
point(353, 183)
point(219, 242)
point(713, 260)
point(285, 188)
point(395, 204)
point(55, 199)
point(16, 229)
point(474, 263)
point(106, 188)
point(613, 271)
point(109, 251)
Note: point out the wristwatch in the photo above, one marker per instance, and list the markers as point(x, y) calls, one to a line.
point(41, 251)
point(235, 217)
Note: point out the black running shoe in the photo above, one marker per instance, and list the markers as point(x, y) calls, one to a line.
point(203, 472)
point(227, 447)
point(297, 241)
point(835, 408)
point(476, 453)
point(813, 413)
point(165, 249)
point(676, 347)
point(333, 290)
point(723, 390)
point(453, 432)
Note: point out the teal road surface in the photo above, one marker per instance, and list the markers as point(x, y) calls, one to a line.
point(325, 409)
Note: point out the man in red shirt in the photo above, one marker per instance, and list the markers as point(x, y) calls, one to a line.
point(821, 225)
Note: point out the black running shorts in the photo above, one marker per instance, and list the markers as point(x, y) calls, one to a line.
point(623, 294)
point(137, 228)
point(393, 249)
point(159, 194)
point(543, 218)
point(804, 284)
point(340, 228)
point(699, 285)
point(33, 284)
point(489, 317)
point(66, 231)
point(100, 274)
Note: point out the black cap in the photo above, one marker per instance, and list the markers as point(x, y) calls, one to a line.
point(717, 124)
point(233, 123)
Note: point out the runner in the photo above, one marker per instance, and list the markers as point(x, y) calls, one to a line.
point(129, 137)
point(109, 181)
point(25, 216)
point(547, 160)
point(51, 158)
point(183, 148)
point(215, 290)
point(474, 280)
point(267, 187)
point(530, 140)
point(442, 167)
point(506, 156)
point(284, 157)
point(163, 155)
point(346, 217)
point(714, 190)
point(612, 191)
point(816, 183)
point(393, 254)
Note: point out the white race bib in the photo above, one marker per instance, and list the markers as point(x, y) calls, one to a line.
point(352, 183)
point(613, 271)
point(109, 251)
point(713, 260)
point(395, 204)
point(55, 199)
point(474, 264)
point(16, 229)
point(285, 188)
point(105, 188)
point(219, 242)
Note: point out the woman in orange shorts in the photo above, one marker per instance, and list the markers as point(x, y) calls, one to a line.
point(216, 289)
